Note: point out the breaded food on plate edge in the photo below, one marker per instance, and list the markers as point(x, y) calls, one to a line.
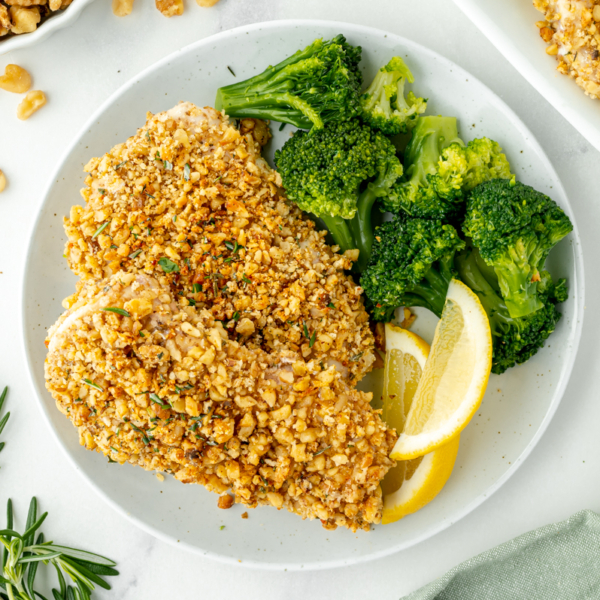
point(233, 338)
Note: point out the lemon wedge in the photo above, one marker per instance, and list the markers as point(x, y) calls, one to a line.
point(412, 484)
point(424, 478)
point(405, 357)
point(454, 378)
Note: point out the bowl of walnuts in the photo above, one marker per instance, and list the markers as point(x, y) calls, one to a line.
point(26, 22)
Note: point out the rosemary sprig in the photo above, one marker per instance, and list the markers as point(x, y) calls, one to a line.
point(21, 558)
point(4, 419)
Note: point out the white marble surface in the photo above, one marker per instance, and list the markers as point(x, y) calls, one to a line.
point(78, 68)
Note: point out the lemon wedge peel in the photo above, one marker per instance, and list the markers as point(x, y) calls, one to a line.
point(425, 484)
point(445, 402)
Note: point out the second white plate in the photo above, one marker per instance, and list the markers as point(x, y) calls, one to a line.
point(515, 411)
point(510, 26)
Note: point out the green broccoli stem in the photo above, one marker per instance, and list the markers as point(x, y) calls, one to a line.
point(361, 227)
point(268, 106)
point(430, 137)
point(340, 231)
point(431, 292)
point(469, 266)
point(519, 290)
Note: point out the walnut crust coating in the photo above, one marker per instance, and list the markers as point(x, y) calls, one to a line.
point(572, 31)
point(165, 387)
point(190, 194)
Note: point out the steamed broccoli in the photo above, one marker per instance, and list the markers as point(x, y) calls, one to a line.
point(337, 173)
point(440, 169)
point(411, 265)
point(461, 168)
point(320, 84)
point(515, 227)
point(384, 105)
point(515, 340)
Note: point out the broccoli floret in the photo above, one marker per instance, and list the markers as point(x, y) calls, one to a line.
point(320, 84)
point(461, 168)
point(384, 105)
point(515, 227)
point(415, 195)
point(515, 340)
point(337, 173)
point(441, 170)
point(411, 265)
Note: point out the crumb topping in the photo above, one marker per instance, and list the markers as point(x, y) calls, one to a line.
point(164, 386)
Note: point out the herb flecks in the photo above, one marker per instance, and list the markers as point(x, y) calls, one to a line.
point(100, 229)
point(118, 311)
point(92, 385)
point(168, 266)
point(157, 400)
point(310, 337)
point(322, 450)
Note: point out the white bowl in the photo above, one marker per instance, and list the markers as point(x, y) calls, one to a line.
point(55, 22)
point(510, 26)
point(518, 404)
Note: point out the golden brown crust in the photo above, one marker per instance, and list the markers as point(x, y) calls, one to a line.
point(164, 387)
point(238, 247)
point(235, 361)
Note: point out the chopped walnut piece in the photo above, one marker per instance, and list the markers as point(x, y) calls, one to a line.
point(244, 515)
point(15, 79)
point(5, 22)
point(258, 129)
point(409, 318)
point(170, 8)
point(24, 20)
point(32, 102)
point(122, 8)
point(26, 3)
point(206, 3)
point(225, 501)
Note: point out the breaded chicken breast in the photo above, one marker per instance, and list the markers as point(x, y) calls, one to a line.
point(572, 30)
point(153, 381)
point(189, 201)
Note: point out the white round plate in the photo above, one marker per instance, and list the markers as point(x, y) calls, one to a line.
point(514, 413)
point(57, 21)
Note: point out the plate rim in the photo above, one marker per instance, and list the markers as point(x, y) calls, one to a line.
point(578, 278)
point(533, 76)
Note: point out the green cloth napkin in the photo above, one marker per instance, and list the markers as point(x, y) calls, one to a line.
point(556, 562)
